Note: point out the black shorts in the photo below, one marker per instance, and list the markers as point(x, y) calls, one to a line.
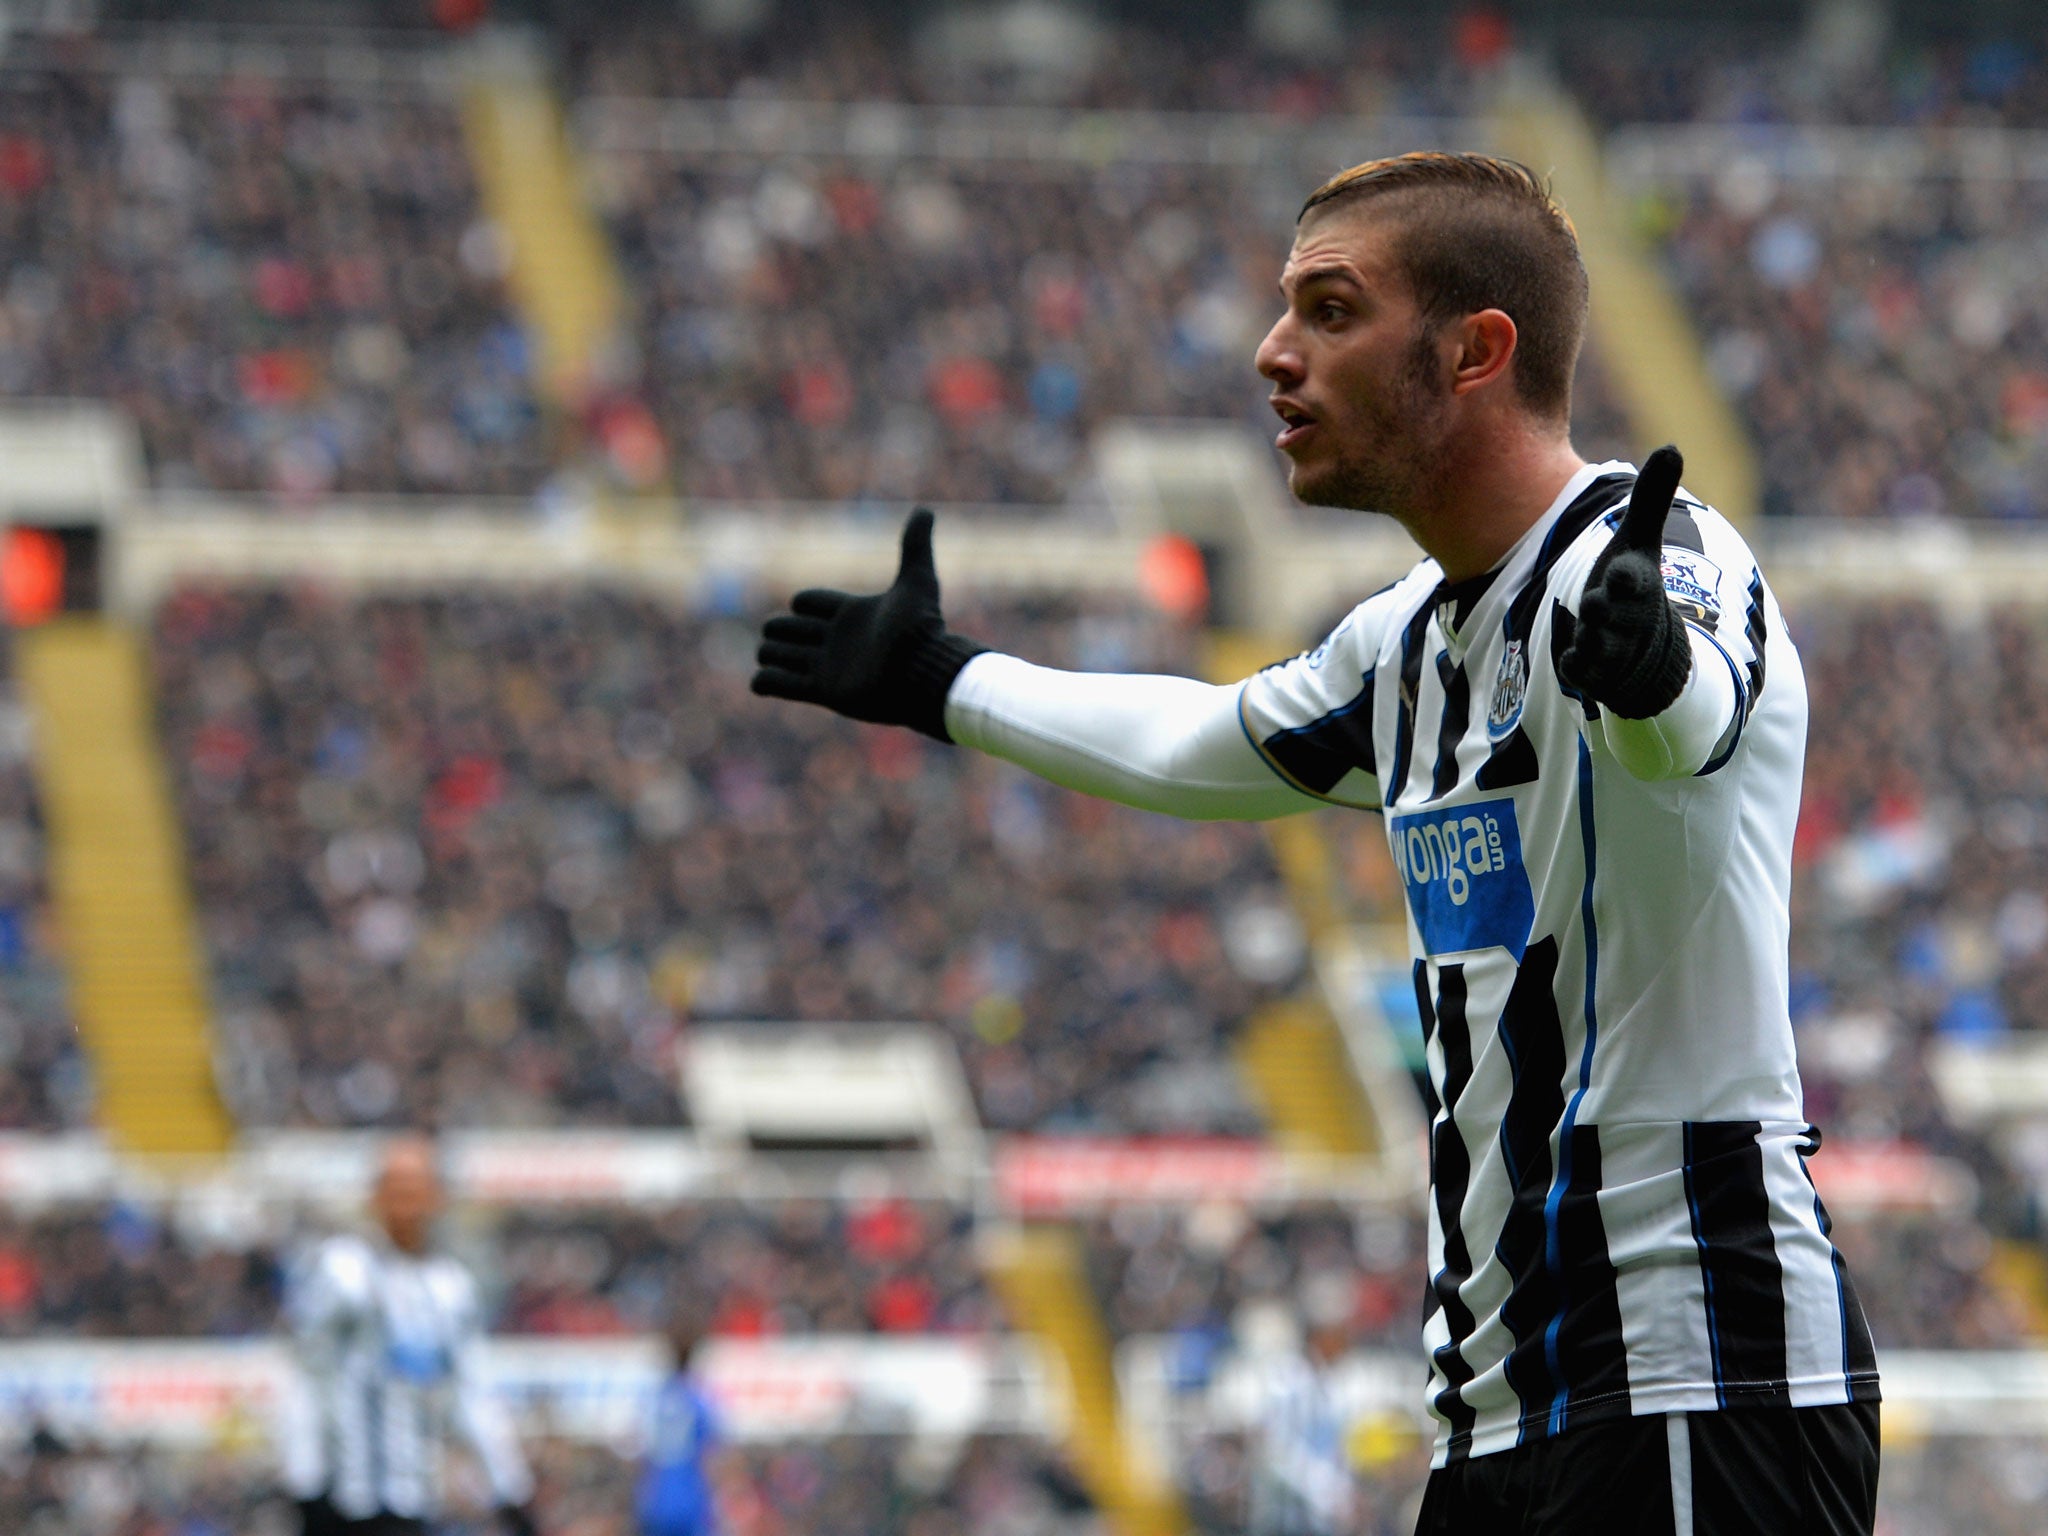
point(317, 1517)
point(1740, 1472)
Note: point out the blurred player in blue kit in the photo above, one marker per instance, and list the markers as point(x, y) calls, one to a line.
point(685, 1446)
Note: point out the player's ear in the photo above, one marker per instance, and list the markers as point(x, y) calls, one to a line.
point(1486, 346)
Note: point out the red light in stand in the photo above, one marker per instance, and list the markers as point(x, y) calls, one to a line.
point(31, 575)
point(1175, 576)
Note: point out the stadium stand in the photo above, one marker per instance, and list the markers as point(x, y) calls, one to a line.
point(1888, 357)
point(285, 281)
point(447, 893)
point(123, 1269)
point(864, 325)
point(949, 332)
point(856, 1483)
point(1192, 1272)
point(1091, 63)
point(118, 1270)
point(1644, 74)
point(797, 1266)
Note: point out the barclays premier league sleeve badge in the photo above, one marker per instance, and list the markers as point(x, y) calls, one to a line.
point(1693, 583)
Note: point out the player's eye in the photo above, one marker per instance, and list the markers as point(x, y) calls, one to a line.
point(1329, 312)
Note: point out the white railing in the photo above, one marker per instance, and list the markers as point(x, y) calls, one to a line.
point(1316, 566)
point(1645, 155)
point(356, 60)
point(202, 1392)
point(1000, 139)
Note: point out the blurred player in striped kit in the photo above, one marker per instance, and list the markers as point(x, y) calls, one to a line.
point(387, 1333)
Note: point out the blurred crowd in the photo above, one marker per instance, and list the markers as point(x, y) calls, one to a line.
point(1849, 74)
point(288, 285)
point(53, 1486)
point(291, 287)
point(1922, 848)
point(482, 858)
point(1882, 334)
point(956, 329)
point(986, 1486)
point(796, 1266)
point(1301, 67)
point(1202, 1274)
point(873, 331)
point(121, 1269)
point(945, 332)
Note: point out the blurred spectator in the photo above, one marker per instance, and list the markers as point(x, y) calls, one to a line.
point(1878, 333)
point(1723, 73)
point(796, 1266)
point(988, 1486)
point(288, 284)
point(1201, 1274)
point(444, 890)
point(120, 1270)
point(1301, 67)
point(291, 286)
point(858, 331)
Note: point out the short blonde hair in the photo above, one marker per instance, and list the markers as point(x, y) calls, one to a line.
point(1479, 232)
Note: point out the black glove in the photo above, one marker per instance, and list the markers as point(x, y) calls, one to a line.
point(517, 1520)
point(1629, 651)
point(886, 659)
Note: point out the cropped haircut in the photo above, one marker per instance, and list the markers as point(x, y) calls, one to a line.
point(1475, 232)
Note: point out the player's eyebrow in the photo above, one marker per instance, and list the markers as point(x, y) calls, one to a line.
point(1307, 276)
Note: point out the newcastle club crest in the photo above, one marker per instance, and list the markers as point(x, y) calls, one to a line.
point(1510, 688)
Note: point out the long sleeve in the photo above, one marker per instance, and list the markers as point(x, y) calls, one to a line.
point(1685, 737)
point(1159, 743)
point(315, 1310)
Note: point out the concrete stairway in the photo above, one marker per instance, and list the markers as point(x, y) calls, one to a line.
point(118, 877)
point(1041, 1274)
point(562, 275)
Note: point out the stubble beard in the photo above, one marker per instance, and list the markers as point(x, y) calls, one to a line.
point(1393, 455)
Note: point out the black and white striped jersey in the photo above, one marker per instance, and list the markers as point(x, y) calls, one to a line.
point(387, 1347)
point(1621, 1217)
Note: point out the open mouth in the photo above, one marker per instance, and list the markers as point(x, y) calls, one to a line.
point(1296, 424)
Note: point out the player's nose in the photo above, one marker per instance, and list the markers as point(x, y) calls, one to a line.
point(1279, 356)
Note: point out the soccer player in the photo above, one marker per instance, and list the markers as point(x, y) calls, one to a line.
point(387, 1334)
point(1583, 723)
point(678, 1494)
point(1301, 1478)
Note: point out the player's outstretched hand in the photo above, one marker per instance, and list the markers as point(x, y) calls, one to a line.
point(1629, 652)
point(887, 658)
